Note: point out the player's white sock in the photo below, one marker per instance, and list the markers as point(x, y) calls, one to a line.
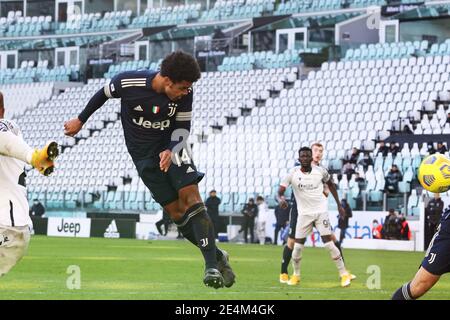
point(297, 257)
point(15, 147)
point(336, 256)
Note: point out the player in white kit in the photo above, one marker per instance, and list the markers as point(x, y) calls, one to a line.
point(14, 218)
point(308, 183)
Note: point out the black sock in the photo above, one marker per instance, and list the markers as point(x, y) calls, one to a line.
point(287, 254)
point(188, 232)
point(197, 227)
point(403, 293)
point(338, 245)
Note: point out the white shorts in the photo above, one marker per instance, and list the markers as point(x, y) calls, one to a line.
point(13, 246)
point(306, 222)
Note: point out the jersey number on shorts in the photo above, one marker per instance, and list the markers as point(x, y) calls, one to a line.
point(185, 159)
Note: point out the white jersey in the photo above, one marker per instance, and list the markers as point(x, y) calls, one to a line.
point(14, 209)
point(308, 189)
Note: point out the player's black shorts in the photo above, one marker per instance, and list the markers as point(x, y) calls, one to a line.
point(437, 259)
point(164, 186)
point(293, 219)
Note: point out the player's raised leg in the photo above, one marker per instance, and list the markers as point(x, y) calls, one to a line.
point(422, 282)
point(434, 265)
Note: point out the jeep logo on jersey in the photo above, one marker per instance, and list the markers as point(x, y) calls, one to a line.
point(152, 125)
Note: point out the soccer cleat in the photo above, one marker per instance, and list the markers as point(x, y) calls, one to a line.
point(346, 279)
point(352, 277)
point(42, 159)
point(284, 278)
point(213, 278)
point(225, 269)
point(294, 280)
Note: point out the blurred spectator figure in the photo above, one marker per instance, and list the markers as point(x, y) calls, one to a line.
point(394, 149)
point(392, 179)
point(348, 169)
point(391, 227)
point(431, 149)
point(354, 155)
point(441, 148)
point(250, 211)
point(448, 117)
point(383, 149)
point(219, 38)
point(282, 217)
point(362, 184)
point(343, 220)
point(433, 212)
point(360, 181)
point(212, 207)
point(37, 209)
point(263, 218)
point(377, 230)
point(366, 161)
point(405, 232)
point(218, 33)
point(165, 221)
point(407, 130)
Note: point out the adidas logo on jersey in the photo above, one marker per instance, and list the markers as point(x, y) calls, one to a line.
point(189, 170)
point(111, 231)
point(138, 108)
point(152, 125)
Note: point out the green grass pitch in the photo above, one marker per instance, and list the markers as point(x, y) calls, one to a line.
point(170, 270)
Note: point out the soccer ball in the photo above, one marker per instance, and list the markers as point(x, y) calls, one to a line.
point(434, 173)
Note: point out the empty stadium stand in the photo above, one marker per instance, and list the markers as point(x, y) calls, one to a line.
point(249, 117)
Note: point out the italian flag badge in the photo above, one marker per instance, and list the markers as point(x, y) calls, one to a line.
point(155, 109)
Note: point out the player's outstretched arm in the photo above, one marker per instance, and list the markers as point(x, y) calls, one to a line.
point(73, 126)
point(333, 191)
point(15, 147)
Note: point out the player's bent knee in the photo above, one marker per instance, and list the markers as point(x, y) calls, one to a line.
point(290, 243)
point(326, 239)
point(300, 241)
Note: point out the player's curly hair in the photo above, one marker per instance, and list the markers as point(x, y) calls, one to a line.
point(180, 66)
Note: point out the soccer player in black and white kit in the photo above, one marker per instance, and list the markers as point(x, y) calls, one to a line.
point(15, 221)
point(155, 113)
point(307, 183)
